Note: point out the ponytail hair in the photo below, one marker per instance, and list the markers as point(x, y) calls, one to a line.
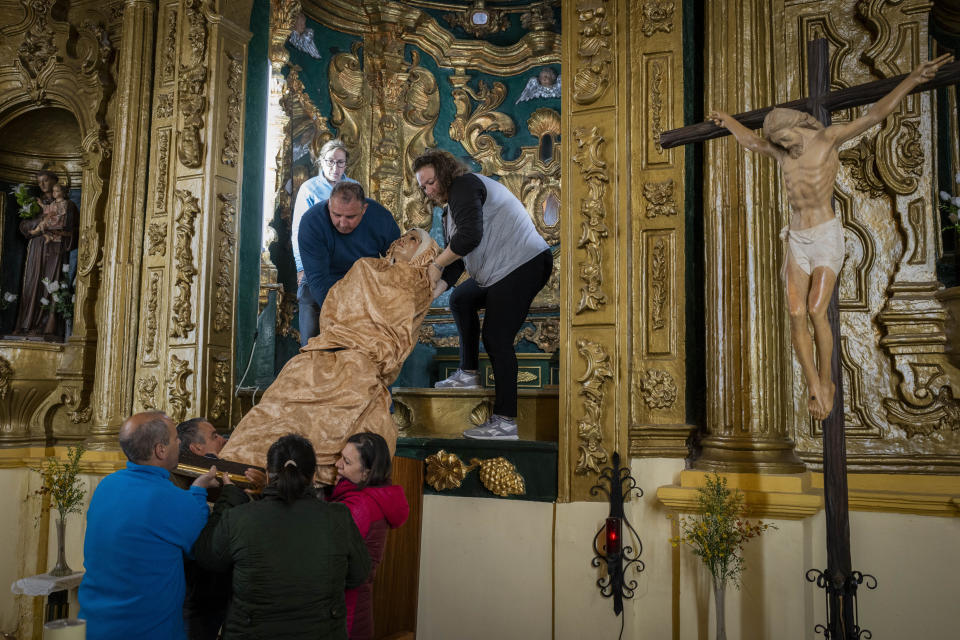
point(292, 464)
point(374, 456)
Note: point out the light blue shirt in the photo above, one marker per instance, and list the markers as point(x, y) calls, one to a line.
point(313, 191)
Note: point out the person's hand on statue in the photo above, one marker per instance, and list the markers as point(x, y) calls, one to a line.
point(928, 68)
point(434, 271)
point(207, 480)
point(439, 287)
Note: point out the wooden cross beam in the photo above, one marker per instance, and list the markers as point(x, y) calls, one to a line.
point(859, 95)
point(820, 103)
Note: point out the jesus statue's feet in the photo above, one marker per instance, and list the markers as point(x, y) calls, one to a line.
point(820, 403)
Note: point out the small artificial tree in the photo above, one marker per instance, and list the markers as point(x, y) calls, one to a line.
point(717, 535)
point(61, 481)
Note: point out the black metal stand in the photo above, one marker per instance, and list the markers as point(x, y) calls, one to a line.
point(611, 551)
point(841, 624)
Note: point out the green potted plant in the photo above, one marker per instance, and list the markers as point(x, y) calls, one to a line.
point(717, 535)
point(62, 483)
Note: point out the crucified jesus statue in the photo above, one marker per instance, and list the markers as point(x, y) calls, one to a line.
point(814, 249)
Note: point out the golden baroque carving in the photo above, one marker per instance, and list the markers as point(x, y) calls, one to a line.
point(656, 15)
point(590, 426)
point(294, 89)
point(593, 228)
point(6, 375)
point(446, 471)
point(594, 52)
point(220, 387)
point(191, 83)
point(37, 49)
point(283, 16)
point(910, 149)
point(223, 296)
point(659, 389)
point(656, 105)
point(470, 125)
point(185, 271)
point(481, 413)
point(88, 257)
point(428, 335)
point(178, 395)
point(163, 169)
point(169, 65)
point(231, 135)
point(496, 22)
point(860, 161)
point(147, 392)
point(544, 333)
point(500, 477)
point(925, 409)
point(152, 322)
point(658, 284)
point(157, 234)
point(659, 197)
point(287, 306)
point(402, 417)
point(164, 105)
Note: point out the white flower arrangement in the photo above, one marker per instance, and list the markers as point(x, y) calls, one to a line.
point(951, 204)
point(7, 299)
point(60, 299)
point(29, 207)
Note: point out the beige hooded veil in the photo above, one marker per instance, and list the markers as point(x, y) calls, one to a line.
point(337, 385)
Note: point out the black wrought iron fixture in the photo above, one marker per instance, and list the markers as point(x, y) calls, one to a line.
point(843, 595)
point(608, 544)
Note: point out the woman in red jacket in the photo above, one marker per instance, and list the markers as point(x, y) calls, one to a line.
point(364, 486)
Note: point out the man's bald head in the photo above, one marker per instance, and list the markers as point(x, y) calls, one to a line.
point(147, 438)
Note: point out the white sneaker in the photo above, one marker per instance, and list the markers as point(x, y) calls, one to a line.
point(460, 379)
point(496, 428)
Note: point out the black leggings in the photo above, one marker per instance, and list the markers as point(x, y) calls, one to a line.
point(507, 303)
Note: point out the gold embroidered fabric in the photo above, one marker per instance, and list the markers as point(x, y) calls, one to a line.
point(337, 385)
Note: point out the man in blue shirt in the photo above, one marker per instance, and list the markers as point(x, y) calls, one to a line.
point(335, 234)
point(332, 162)
point(139, 526)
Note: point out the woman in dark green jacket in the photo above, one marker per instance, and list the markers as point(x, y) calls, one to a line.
point(292, 554)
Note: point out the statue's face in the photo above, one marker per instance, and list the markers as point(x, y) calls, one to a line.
point(45, 183)
point(547, 77)
point(334, 165)
point(59, 192)
point(404, 247)
point(790, 139)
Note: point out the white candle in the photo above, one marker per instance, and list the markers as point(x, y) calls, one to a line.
point(66, 629)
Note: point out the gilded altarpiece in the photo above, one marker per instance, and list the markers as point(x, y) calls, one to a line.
point(900, 390)
point(658, 410)
point(59, 65)
point(186, 327)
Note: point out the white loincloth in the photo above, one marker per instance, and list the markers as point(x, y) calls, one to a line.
point(818, 246)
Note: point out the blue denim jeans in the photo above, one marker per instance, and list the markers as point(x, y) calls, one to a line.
point(309, 313)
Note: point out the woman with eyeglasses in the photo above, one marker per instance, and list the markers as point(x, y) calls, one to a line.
point(332, 163)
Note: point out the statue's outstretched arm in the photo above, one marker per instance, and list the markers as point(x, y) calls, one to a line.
point(747, 138)
point(885, 105)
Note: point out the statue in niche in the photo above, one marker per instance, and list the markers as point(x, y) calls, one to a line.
point(545, 84)
point(51, 236)
point(302, 38)
point(814, 250)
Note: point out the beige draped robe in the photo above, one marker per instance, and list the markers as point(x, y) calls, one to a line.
point(337, 385)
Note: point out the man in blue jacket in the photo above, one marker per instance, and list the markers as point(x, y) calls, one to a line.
point(139, 526)
point(336, 233)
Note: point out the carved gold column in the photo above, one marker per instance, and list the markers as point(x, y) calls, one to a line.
point(185, 360)
point(595, 229)
point(748, 351)
point(658, 421)
point(119, 301)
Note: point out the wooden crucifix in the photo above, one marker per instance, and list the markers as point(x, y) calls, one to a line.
point(789, 135)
